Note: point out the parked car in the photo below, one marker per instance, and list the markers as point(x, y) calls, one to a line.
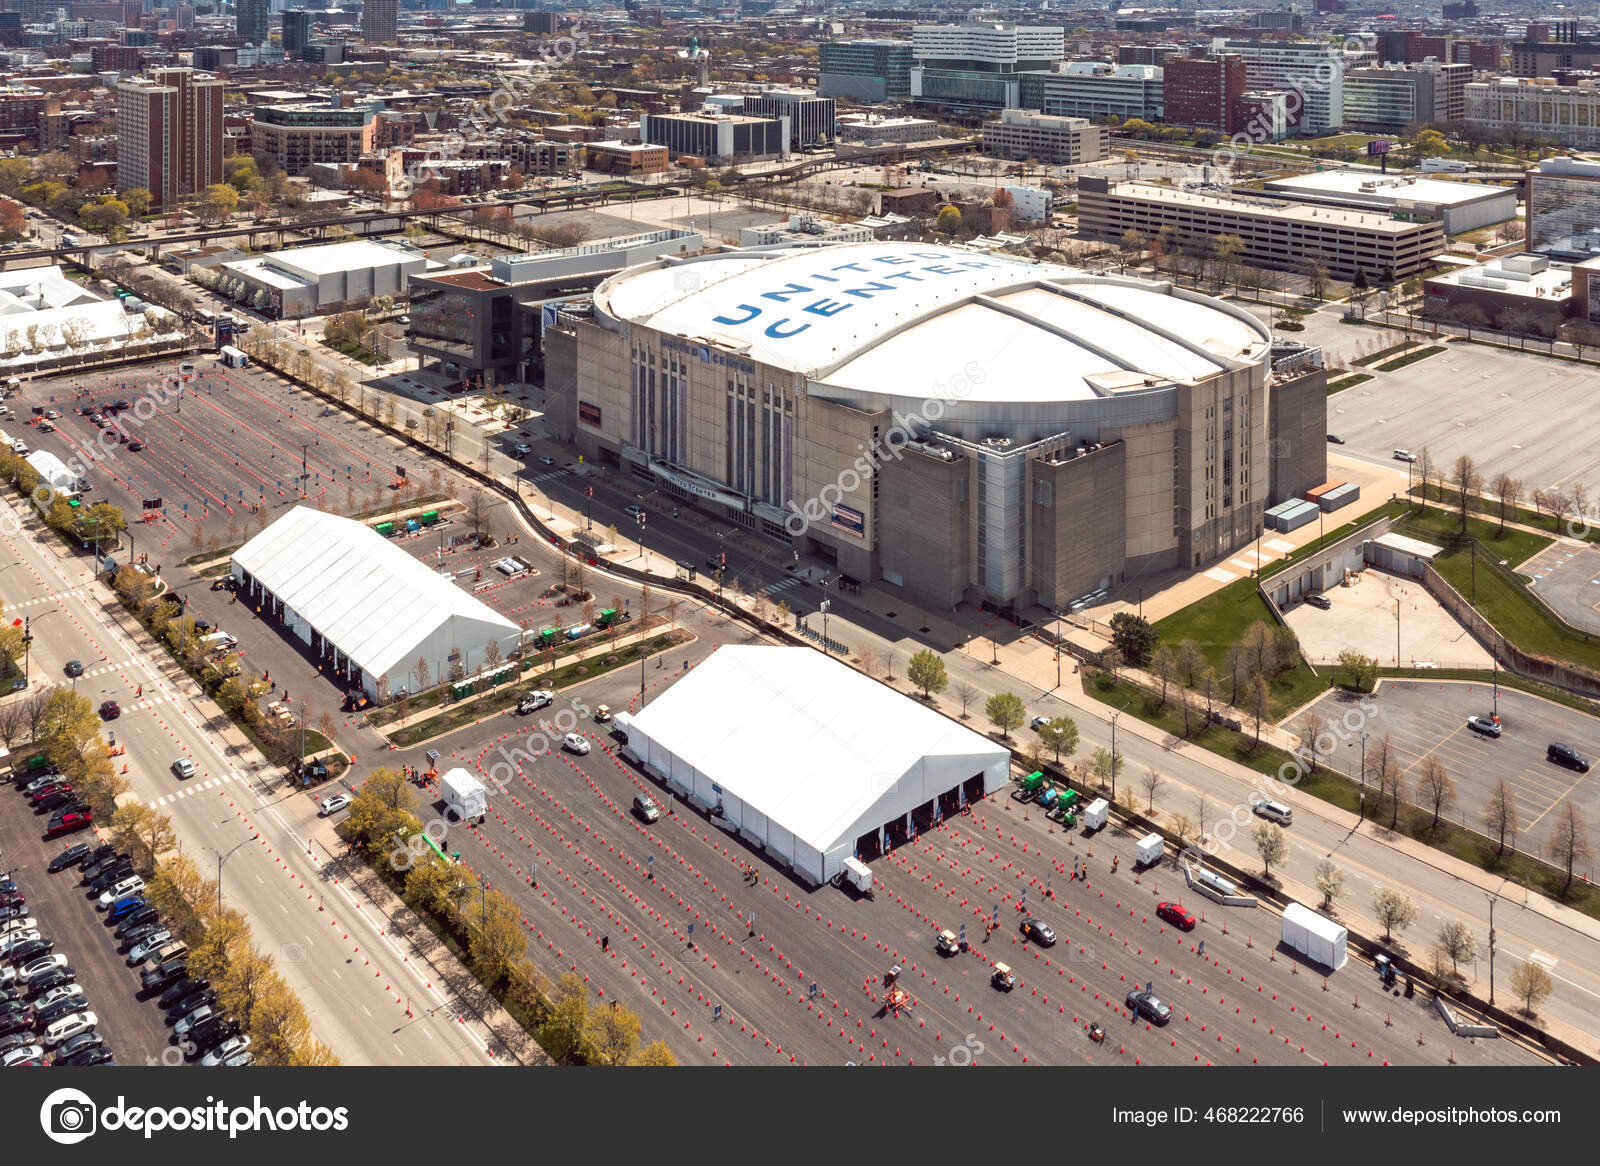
point(68, 822)
point(49, 790)
point(575, 743)
point(18, 923)
point(645, 806)
point(1488, 726)
point(1272, 811)
point(52, 978)
point(211, 1033)
point(12, 940)
point(143, 917)
point(61, 992)
point(160, 975)
point(32, 949)
point(86, 1057)
point(137, 935)
point(633, 512)
point(120, 890)
point(71, 856)
point(228, 1052)
point(59, 800)
point(1150, 1006)
point(126, 905)
point(1335, 439)
point(1320, 601)
point(148, 946)
point(81, 1043)
point(110, 710)
point(184, 987)
point(522, 449)
point(25, 1055)
point(68, 1027)
point(45, 1017)
point(1175, 914)
point(190, 1019)
point(534, 701)
point(1568, 756)
point(190, 1003)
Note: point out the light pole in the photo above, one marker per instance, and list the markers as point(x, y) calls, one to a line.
point(1114, 717)
point(1493, 897)
point(824, 608)
point(222, 858)
point(1363, 777)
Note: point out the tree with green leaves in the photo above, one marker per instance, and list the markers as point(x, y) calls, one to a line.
point(1531, 983)
point(1133, 636)
point(1060, 736)
point(1005, 711)
point(927, 672)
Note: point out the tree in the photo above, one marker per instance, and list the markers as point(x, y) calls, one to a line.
point(561, 1034)
point(656, 1054)
point(1507, 490)
point(1531, 983)
point(1457, 941)
point(948, 220)
point(1236, 671)
point(1151, 783)
point(496, 940)
point(1005, 712)
point(1271, 843)
point(1384, 768)
point(1428, 470)
point(966, 693)
point(1191, 660)
point(1330, 882)
point(220, 201)
point(14, 174)
point(1428, 143)
point(1313, 726)
point(1359, 665)
point(1164, 667)
point(1394, 910)
point(1435, 788)
point(1317, 277)
point(436, 886)
point(13, 223)
point(1500, 815)
point(1569, 843)
point(926, 670)
point(1464, 476)
point(1104, 767)
point(1257, 703)
point(145, 833)
point(611, 1035)
point(1133, 245)
point(1059, 735)
point(137, 200)
point(1133, 636)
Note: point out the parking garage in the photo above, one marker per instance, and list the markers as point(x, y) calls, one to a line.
point(809, 759)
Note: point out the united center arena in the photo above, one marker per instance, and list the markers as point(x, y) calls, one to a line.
point(966, 426)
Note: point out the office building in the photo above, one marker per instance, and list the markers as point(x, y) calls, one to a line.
point(169, 126)
point(1311, 72)
point(541, 23)
point(972, 68)
point(716, 138)
point(1547, 48)
point(1054, 141)
point(380, 21)
point(1388, 99)
point(867, 71)
point(296, 136)
point(868, 130)
point(1274, 233)
point(253, 20)
point(297, 26)
point(811, 118)
point(630, 158)
point(1204, 92)
point(1513, 107)
point(1095, 90)
point(1564, 209)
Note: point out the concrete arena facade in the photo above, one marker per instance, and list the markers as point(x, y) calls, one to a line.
point(964, 426)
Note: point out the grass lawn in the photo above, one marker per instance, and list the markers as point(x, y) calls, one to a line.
point(1340, 791)
point(1410, 358)
point(1384, 354)
point(354, 351)
point(1444, 496)
point(1348, 381)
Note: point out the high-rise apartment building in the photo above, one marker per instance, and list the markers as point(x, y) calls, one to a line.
point(170, 130)
point(297, 26)
point(1311, 72)
point(380, 21)
point(1204, 91)
point(253, 20)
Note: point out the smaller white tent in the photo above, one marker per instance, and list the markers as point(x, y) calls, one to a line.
point(464, 794)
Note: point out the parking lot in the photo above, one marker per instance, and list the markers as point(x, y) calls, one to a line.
point(1423, 717)
point(1516, 413)
point(1566, 575)
point(132, 1028)
point(1363, 617)
point(665, 918)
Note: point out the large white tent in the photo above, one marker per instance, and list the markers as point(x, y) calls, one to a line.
point(363, 602)
point(807, 757)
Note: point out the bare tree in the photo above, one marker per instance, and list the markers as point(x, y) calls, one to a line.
point(1464, 476)
point(1313, 726)
point(1507, 490)
point(1427, 471)
point(966, 694)
point(1151, 782)
point(1569, 843)
point(1500, 815)
point(1330, 881)
point(1435, 789)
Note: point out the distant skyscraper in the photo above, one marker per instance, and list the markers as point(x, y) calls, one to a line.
point(169, 127)
point(253, 20)
point(297, 25)
point(380, 20)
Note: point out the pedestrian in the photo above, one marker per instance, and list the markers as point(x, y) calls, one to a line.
point(1114, 860)
point(605, 943)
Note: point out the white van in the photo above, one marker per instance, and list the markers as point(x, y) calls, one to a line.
point(219, 642)
point(1273, 812)
point(1404, 455)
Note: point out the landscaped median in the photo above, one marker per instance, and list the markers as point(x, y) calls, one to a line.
point(1397, 356)
point(605, 659)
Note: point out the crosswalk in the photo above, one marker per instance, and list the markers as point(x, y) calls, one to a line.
point(195, 786)
point(548, 474)
point(783, 584)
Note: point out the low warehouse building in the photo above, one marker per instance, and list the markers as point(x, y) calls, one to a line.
point(808, 758)
point(365, 606)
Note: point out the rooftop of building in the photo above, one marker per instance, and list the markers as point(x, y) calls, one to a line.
point(1529, 276)
point(1397, 186)
point(1274, 208)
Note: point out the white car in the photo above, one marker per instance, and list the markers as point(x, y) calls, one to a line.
point(126, 886)
point(228, 1052)
point(8, 976)
point(31, 971)
point(25, 923)
point(186, 1025)
point(57, 995)
point(148, 946)
point(68, 1027)
point(333, 805)
point(183, 767)
point(18, 1055)
point(15, 939)
point(575, 743)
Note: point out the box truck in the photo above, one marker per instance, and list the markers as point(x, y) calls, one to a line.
point(465, 795)
point(1317, 938)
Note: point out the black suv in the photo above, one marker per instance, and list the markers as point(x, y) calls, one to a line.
point(1568, 756)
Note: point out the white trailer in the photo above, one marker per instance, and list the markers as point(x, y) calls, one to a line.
point(234, 357)
point(1151, 847)
point(1319, 939)
point(1094, 817)
point(858, 874)
point(465, 795)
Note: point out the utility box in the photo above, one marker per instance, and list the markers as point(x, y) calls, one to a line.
point(1094, 817)
point(1319, 939)
point(465, 795)
point(1151, 847)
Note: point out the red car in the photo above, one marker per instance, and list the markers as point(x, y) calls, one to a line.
point(1174, 914)
point(110, 710)
point(69, 822)
point(44, 791)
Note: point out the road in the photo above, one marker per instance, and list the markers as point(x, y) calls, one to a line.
point(335, 950)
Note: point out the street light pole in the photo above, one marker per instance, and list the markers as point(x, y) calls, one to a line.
point(1363, 777)
point(1114, 717)
point(826, 650)
point(1493, 899)
point(222, 858)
